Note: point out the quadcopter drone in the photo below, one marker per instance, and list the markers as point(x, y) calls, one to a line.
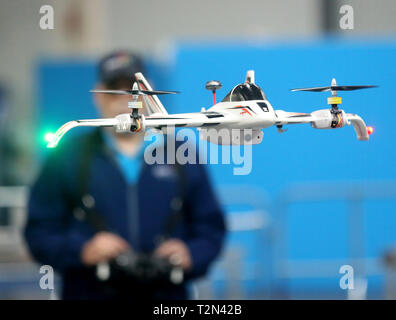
point(245, 109)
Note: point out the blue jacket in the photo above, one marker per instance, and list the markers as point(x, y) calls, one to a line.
point(55, 236)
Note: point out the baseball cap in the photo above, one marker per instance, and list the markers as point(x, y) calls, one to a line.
point(119, 66)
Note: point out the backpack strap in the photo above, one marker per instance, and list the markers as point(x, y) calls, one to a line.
point(85, 203)
point(177, 204)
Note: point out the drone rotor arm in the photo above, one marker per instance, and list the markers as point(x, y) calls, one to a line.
point(109, 122)
point(284, 117)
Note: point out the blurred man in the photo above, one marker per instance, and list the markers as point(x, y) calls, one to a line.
point(114, 226)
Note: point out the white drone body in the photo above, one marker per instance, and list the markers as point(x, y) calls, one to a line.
point(245, 110)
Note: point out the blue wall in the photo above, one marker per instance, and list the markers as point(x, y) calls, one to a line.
point(303, 154)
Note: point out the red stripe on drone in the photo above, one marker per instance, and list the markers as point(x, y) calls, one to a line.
point(244, 110)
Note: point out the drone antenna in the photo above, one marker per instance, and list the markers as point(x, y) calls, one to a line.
point(213, 85)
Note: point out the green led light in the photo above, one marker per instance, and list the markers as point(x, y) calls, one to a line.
point(50, 138)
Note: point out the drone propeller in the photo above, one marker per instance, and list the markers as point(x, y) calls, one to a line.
point(135, 92)
point(334, 88)
point(335, 100)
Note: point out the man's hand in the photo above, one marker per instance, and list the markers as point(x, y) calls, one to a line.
point(102, 247)
point(176, 251)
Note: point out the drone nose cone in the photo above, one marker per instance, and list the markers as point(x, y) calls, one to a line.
point(333, 84)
